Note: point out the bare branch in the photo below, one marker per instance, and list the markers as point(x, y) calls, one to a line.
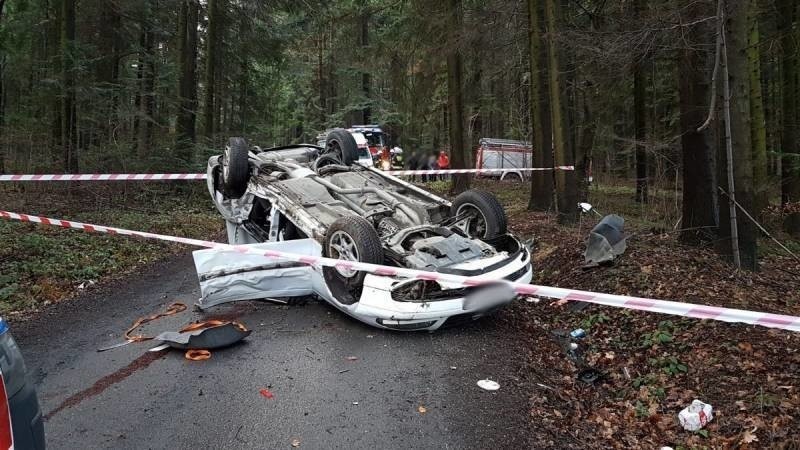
point(713, 105)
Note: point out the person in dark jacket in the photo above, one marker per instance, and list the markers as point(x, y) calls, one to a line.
point(411, 164)
point(432, 163)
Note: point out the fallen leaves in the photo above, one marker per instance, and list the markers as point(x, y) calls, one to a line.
point(748, 437)
point(746, 347)
point(730, 364)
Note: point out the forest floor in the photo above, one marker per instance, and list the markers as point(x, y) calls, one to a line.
point(40, 265)
point(652, 365)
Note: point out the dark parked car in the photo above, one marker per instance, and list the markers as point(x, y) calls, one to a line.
point(21, 426)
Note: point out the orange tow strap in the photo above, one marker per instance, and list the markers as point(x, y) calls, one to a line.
point(211, 324)
point(172, 309)
point(197, 355)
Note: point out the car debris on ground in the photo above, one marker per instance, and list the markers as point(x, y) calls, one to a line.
point(266, 393)
point(488, 385)
point(196, 338)
point(696, 415)
point(606, 242)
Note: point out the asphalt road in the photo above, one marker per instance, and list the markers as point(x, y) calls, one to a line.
point(128, 398)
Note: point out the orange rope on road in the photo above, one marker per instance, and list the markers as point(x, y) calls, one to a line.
point(211, 324)
point(172, 309)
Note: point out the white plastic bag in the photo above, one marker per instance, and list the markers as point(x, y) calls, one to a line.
point(696, 415)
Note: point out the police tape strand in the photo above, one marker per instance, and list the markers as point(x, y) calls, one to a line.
point(106, 177)
point(476, 171)
point(642, 304)
point(202, 176)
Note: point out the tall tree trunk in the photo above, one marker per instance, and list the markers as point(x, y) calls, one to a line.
point(321, 83)
point(455, 104)
point(366, 113)
point(584, 154)
point(738, 134)
point(566, 181)
point(54, 11)
point(699, 197)
point(69, 129)
point(107, 63)
point(639, 115)
point(790, 148)
point(2, 106)
point(758, 129)
point(397, 82)
point(106, 67)
point(541, 182)
point(212, 57)
point(137, 99)
point(146, 112)
point(243, 95)
point(187, 79)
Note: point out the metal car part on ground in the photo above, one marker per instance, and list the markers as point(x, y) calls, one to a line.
point(205, 335)
point(307, 199)
point(606, 241)
point(209, 334)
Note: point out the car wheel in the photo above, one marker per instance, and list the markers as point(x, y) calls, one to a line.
point(481, 214)
point(351, 238)
point(235, 168)
point(341, 144)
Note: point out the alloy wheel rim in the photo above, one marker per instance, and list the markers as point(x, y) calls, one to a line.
point(343, 246)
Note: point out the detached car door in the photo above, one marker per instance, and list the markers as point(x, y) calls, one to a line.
point(231, 276)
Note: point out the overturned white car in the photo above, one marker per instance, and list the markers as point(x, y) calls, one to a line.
point(317, 201)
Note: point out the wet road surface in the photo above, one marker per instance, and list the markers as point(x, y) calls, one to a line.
point(129, 398)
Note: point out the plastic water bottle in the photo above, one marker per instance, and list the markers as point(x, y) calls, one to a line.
point(578, 333)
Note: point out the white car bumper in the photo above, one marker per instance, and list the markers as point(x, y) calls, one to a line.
point(232, 276)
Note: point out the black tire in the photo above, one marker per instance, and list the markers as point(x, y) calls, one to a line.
point(346, 285)
point(235, 168)
point(327, 160)
point(340, 143)
point(489, 217)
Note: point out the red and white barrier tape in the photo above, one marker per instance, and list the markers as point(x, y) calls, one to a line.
point(784, 322)
point(475, 171)
point(202, 176)
point(106, 177)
